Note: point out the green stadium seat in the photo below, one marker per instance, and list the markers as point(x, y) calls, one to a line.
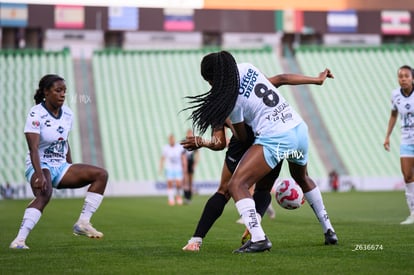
point(139, 97)
point(357, 107)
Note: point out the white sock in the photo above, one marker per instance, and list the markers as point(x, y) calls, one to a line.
point(314, 198)
point(178, 193)
point(247, 210)
point(170, 194)
point(270, 211)
point(30, 218)
point(196, 240)
point(409, 195)
point(92, 202)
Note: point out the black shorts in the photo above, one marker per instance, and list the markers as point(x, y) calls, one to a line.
point(236, 150)
point(190, 167)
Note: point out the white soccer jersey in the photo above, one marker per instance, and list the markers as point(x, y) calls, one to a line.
point(405, 107)
point(172, 156)
point(53, 132)
point(260, 105)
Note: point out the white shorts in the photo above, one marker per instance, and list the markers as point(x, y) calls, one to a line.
point(56, 172)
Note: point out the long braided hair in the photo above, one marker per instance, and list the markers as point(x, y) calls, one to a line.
point(46, 82)
point(211, 109)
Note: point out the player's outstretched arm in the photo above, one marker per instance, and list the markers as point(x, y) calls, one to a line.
point(217, 141)
point(297, 79)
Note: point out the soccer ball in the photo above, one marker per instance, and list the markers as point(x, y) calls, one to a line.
point(289, 195)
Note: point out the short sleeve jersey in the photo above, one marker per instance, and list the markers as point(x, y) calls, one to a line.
point(405, 107)
point(260, 105)
point(172, 156)
point(53, 131)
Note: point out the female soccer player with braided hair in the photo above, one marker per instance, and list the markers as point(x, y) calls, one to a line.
point(49, 162)
point(243, 93)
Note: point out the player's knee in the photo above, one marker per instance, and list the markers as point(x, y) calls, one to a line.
point(44, 196)
point(102, 175)
point(235, 186)
point(408, 178)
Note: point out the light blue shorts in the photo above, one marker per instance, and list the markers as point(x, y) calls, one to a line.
point(171, 174)
point(407, 150)
point(291, 145)
point(56, 172)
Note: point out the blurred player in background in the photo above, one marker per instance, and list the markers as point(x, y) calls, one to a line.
point(49, 162)
point(192, 162)
point(402, 101)
point(261, 195)
point(173, 155)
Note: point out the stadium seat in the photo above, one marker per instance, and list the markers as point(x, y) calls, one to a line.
point(357, 107)
point(140, 95)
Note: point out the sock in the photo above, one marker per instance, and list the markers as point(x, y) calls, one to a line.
point(247, 210)
point(178, 193)
point(314, 198)
point(30, 218)
point(409, 195)
point(92, 202)
point(271, 211)
point(196, 240)
point(170, 194)
point(212, 211)
point(187, 195)
point(262, 200)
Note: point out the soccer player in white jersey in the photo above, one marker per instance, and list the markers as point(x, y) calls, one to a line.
point(173, 155)
point(244, 94)
point(235, 150)
point(402, 101)
point(49, 162)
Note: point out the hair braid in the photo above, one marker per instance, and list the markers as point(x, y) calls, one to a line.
point(211, 109)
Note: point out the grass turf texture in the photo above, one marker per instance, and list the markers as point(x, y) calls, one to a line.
point(145, 236)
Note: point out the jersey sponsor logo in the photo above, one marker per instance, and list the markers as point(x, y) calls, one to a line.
point(47, 123)
point(35, 124)
point(247, 82)
point(55, 150)
point(279, 114)
point(408, 120)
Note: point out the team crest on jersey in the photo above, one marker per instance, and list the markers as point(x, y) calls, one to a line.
point(60, 129)
point(407, 106)
point(35, 124)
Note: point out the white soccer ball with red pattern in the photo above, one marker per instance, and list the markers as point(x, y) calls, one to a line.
point(289, 195)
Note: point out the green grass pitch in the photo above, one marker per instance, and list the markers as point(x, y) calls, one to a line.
point(144, 235)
